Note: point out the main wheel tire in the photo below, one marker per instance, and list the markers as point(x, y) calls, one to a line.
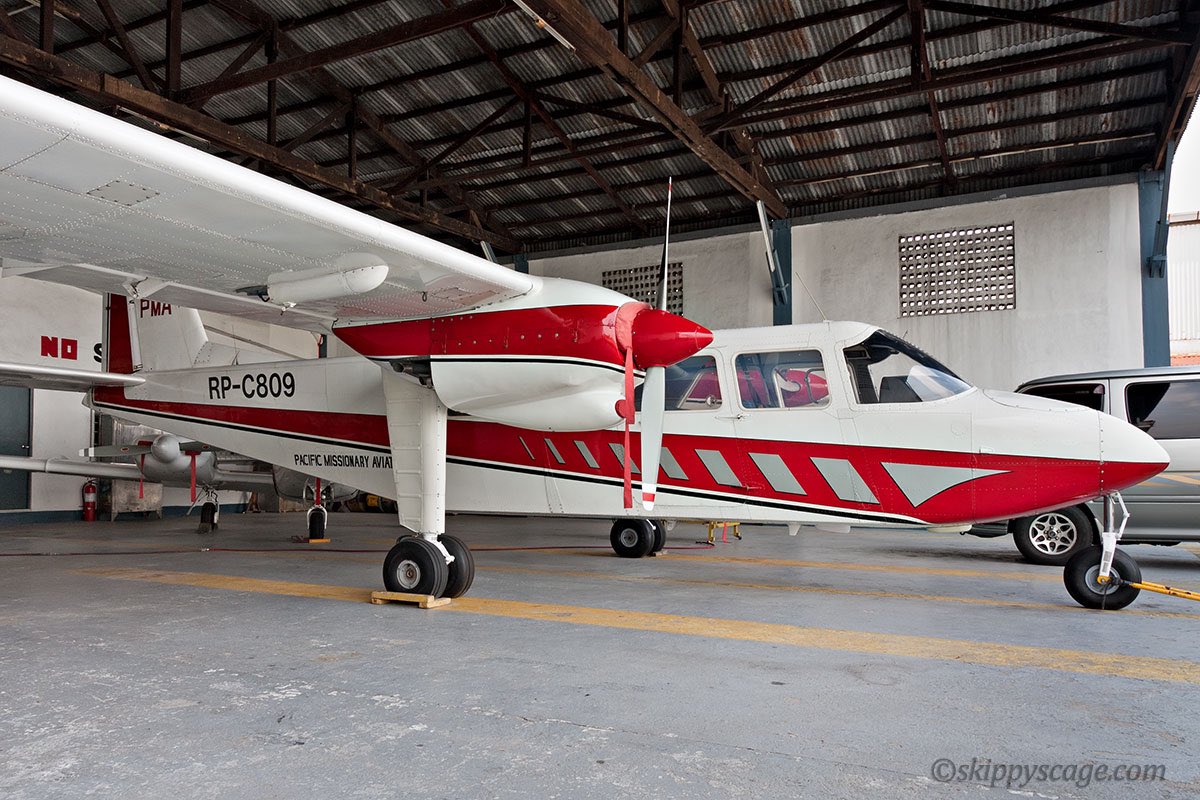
point(316, 524)
point(632, 538)
point(1053, 537)
point(415, 566)
point(660, 535)
point(1080, 577)
point(462, 569)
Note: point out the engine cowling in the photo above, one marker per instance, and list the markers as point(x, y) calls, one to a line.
point(553, 361)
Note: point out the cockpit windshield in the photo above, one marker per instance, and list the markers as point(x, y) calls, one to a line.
point(886, 369)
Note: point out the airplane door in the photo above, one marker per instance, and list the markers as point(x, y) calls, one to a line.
point(784, 397)
point(15, 440)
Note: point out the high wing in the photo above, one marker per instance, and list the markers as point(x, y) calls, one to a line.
point(34, 376)
point(97, 203)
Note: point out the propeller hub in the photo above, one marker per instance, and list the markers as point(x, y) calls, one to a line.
point(661, 338)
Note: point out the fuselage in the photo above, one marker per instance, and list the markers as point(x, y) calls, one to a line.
point(765, 424)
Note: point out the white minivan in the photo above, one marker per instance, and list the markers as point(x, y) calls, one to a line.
point(1165, 510)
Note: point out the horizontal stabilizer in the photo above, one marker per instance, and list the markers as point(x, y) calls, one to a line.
point(36, 376)
point(61, 466)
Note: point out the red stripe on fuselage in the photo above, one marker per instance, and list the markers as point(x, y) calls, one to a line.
point(1025, 484)
point(580, 331)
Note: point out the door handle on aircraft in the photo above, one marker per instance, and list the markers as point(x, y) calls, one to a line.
point(734, 417)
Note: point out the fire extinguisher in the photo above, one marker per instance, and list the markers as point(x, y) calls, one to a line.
point(89, 501)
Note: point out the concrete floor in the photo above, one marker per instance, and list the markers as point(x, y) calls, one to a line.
point(819, 666)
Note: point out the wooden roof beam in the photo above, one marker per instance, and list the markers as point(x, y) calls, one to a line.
point(379, 40)
point(595, 46)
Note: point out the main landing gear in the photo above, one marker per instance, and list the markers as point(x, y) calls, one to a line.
point(438, 566)
point(638, 538)
point(210, 512)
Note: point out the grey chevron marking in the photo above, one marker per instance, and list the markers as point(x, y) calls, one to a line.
point(919, 482)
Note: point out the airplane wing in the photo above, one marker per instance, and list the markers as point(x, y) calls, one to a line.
point(98, 203)
point(35, 376)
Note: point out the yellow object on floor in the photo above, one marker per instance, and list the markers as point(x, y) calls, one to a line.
point(725, 526)
point(422, 600)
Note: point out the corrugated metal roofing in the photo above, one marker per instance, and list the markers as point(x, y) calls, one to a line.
point(850, 132)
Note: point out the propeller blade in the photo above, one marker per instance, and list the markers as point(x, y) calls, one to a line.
point(627, 411)
point(654, 398)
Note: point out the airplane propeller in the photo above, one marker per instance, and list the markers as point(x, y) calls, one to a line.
point(654, 389)
point(653, 339)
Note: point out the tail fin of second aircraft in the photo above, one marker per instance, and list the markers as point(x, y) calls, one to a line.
point(144, 334)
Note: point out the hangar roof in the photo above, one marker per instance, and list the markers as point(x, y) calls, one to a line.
point(468, 119)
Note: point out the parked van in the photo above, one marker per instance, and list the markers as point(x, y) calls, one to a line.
point(1165, 510)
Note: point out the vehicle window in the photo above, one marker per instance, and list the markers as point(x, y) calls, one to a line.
point(1166, 409)
point(692, 385)
point(886, 369)
point(1088, 395)
point(791, 379)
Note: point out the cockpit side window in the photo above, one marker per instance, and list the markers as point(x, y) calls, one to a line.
point(887, 369)
point(790, 379)
point(692, 385)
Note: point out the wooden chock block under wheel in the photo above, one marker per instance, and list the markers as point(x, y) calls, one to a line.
point(318, 541)
point(422, 600)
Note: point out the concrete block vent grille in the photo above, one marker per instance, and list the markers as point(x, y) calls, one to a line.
point(958, 271)
point(641, 283)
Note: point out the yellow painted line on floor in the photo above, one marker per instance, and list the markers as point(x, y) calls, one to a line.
point(776, 587)
point(1047, 574)
point(209, 581)
point(886, 644)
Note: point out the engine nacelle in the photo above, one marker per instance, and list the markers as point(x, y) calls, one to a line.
point(554, 360)
point(167, 463)
point(297, 486)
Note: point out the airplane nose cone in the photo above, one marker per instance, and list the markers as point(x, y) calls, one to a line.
point(1128, 455)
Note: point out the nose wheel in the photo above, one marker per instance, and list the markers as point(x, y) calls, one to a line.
point(1082, 578)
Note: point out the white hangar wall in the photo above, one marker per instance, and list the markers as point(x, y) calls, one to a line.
point(1078, 304)
point(1078, 282)
point(60, 424)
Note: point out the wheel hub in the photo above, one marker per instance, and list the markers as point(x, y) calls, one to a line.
point(408, 574)
point(1094, 584)
point(628, 537)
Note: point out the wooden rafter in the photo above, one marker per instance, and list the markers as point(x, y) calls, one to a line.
point(249, 12)
point(594, 44)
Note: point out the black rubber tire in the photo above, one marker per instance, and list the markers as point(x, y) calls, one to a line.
point(462, 569)
point(1069, 528)
point(316, 525)
point(415, 566)
point(1085, 591)
point(660, 535)
point(632, 538)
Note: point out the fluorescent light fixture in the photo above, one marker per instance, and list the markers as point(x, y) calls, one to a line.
point(541, 23)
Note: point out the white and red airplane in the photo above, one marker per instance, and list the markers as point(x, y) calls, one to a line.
point(833, 424)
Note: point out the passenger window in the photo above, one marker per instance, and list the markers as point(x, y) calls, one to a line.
point(1165, 410)
point(692, 385)
point(792, 379)
point(1088, 395)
